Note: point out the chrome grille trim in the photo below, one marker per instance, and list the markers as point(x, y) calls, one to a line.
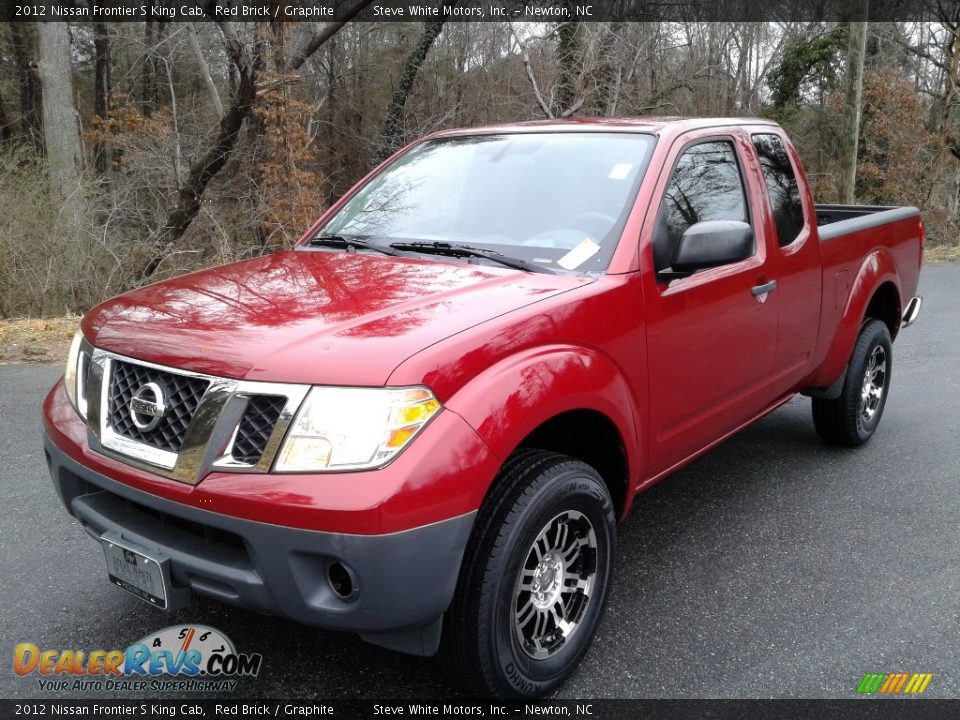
point(208, 439)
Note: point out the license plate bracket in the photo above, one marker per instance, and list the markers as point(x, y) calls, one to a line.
point(139, 571)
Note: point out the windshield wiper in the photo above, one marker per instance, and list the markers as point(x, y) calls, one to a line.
point(340, 241)
point(468, 251)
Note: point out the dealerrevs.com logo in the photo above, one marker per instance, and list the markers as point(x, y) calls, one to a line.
point(177, 658)
point(899, 683)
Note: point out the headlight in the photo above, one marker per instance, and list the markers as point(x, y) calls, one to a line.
point(354, 428)
point(76, 374)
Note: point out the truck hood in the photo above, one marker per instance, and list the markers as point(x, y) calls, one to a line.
point(310, 316)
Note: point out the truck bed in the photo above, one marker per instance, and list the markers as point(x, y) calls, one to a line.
point(850, 236)
point(837, 220)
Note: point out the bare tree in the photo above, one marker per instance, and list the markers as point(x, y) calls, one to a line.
point(391, 137)
point(101, 89)
point(531, 78)
point(209, 164)
point(208, 82)
point(24, 37)
point(239, 134)
point(569, 92)
point(609, 74)
point(148, 70)
point(5, 130)
point(60, 121)
point(245, 62)
point(856, 51)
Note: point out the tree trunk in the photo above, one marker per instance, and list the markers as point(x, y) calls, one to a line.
point(850, 138)
point(945, 144)
point(209, 164)
point(208, 82)
point(391, 137)
point(60, 120)
point(5, 132)
point(331, 163)
point(743, 68)
point(606, 93)
point(525, 56)
point(31, 109)
point(329, 30)
point(148, 71)
point(569, 60)
point(101, 90)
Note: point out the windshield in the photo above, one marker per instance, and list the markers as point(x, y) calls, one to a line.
point(559, 200)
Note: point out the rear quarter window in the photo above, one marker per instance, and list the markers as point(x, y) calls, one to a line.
point(782, 188)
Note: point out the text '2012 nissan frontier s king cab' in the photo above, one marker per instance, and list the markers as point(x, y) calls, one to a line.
point(422, 423)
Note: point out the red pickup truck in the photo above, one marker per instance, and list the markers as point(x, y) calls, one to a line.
point(422, 423)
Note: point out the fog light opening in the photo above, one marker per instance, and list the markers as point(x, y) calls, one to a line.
point(341, 580)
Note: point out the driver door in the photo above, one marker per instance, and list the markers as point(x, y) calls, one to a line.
point(711, 336)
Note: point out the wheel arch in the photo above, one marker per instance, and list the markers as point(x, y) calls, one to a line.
point(885, 305)
point(591, 437)
point(567, 399)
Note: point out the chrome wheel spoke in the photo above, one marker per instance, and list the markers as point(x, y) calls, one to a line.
point(573, 552)
point(559, 609)
point(574, 583)
point(526, 613)
point(562, 532)
point(557, 618)
point(540, 549)
point(540, 624)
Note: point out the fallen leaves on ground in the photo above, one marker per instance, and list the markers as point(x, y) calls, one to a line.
point(45, 340)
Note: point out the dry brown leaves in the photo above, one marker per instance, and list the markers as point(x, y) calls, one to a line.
point(40, 341)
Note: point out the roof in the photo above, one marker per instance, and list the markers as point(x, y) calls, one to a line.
point(642, 124)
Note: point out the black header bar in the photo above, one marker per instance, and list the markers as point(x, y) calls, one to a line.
point(872, 709)
point(476, 10)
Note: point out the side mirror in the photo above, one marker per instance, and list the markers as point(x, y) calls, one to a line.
point(712, 243)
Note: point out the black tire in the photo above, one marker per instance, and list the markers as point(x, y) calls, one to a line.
point(481, 648)
point(851, 419)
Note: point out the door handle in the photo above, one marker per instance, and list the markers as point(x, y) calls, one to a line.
point(763, 289)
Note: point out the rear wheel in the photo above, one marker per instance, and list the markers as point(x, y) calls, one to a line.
point(852, 418)
point(534, 581)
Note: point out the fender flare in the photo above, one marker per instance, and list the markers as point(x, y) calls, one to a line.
point(877, 268)
point(518, 394)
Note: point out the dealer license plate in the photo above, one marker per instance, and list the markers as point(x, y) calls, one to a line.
point(135, 572)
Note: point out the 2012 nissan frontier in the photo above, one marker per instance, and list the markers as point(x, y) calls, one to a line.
point(422, 423)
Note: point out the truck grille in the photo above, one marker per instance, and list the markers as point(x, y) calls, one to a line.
point(182, 424)
point(181, 395)
point(255, 428)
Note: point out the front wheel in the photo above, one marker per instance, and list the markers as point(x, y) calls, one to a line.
point(852, 418)
point(534, 581)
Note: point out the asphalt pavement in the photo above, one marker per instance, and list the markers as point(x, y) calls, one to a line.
point(773, 567)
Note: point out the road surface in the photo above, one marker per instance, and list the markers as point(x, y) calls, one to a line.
point(774, 566)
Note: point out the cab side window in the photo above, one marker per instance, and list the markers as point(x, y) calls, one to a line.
point(782, 188)
point(706, 185)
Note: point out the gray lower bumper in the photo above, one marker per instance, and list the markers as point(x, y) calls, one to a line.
point(402, 583)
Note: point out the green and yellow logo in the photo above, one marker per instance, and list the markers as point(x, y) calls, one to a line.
point(894, 683)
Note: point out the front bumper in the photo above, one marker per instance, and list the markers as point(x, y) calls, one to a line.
point(401, 583)
point(443, 474)
point(268, 541)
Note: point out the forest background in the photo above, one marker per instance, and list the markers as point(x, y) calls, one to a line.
point(132, 152)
